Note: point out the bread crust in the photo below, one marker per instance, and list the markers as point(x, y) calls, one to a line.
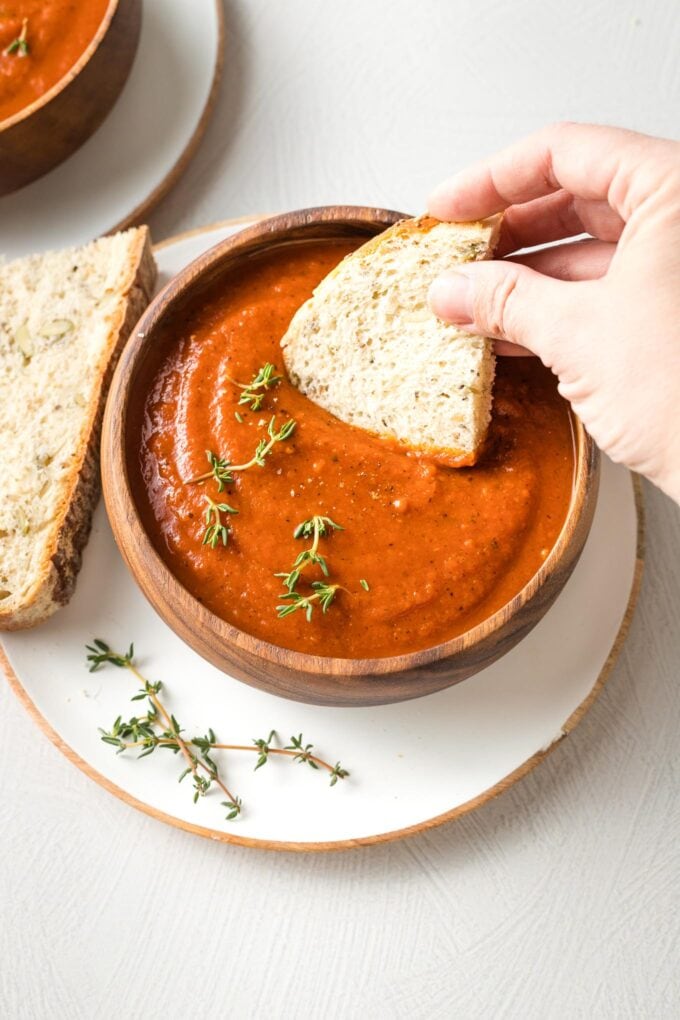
point(58, 569)
point(423, 225)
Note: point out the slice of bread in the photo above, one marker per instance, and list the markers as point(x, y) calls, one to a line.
point(64, 317)
point(367, 348)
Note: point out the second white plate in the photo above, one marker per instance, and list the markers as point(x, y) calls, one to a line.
point(142, 146)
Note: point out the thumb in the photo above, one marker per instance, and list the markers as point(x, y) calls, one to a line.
point(508, 301)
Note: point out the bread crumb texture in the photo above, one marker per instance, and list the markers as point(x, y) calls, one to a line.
point(367, 348)
point(63, 319)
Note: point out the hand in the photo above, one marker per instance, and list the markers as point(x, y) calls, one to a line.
point(603, 314)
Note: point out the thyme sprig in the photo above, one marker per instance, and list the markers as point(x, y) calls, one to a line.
point(159, 728)
point(254, 392)
point(216, 529)
point(19, 46)
point(222, 470)
point(315, 528)
point(324, 594)
point(265, 447)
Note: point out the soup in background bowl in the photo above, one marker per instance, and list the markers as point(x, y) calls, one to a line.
point(63, 64)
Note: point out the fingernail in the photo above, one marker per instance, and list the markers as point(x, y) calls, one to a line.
point(451, 297)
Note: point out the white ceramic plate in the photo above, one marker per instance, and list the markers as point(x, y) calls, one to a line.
point(143, 145)
point(412, 765)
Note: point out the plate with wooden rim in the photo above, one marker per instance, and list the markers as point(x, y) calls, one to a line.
point(412, 766)
point(141, 149)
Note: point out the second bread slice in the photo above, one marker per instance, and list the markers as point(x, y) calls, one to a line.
point(64, 317)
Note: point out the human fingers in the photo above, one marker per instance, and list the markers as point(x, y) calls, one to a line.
point(583, 159)
point(578, 260)
point(505, 349)
point(554, 217)
point(509, 301)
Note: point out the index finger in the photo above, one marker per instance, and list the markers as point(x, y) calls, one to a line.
point(582, 159)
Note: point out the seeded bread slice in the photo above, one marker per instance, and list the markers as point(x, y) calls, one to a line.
point(367, 348)
point(64, 317)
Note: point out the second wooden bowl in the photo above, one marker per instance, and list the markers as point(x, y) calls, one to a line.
point(303, 677)
point(45, 133)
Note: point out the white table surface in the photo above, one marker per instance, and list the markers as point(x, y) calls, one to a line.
point(559, 899)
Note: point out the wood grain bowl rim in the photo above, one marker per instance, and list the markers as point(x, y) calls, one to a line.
point(283, 846)
point(161, 579)
point(27, 111)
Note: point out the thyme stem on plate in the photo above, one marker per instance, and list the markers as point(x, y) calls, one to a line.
point(145, 728)
point(19, 46)
point(254, 392)
point(263, 749)
point(160, 729)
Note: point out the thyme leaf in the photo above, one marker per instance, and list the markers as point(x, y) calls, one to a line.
point(324, 594)
point(215, 528)
point(254, 392)
point(19, 46)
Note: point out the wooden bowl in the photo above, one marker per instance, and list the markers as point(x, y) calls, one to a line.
point(302, 677)
point(43, 134)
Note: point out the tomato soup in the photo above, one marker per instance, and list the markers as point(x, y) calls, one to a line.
point(40, 41)
point(425, 552)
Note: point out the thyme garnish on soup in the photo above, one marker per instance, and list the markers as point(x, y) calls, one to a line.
point(315, 528)
point(322, 594)
point(254, 392)
point(223, 471)
point(216, 529)
point(19, 47)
